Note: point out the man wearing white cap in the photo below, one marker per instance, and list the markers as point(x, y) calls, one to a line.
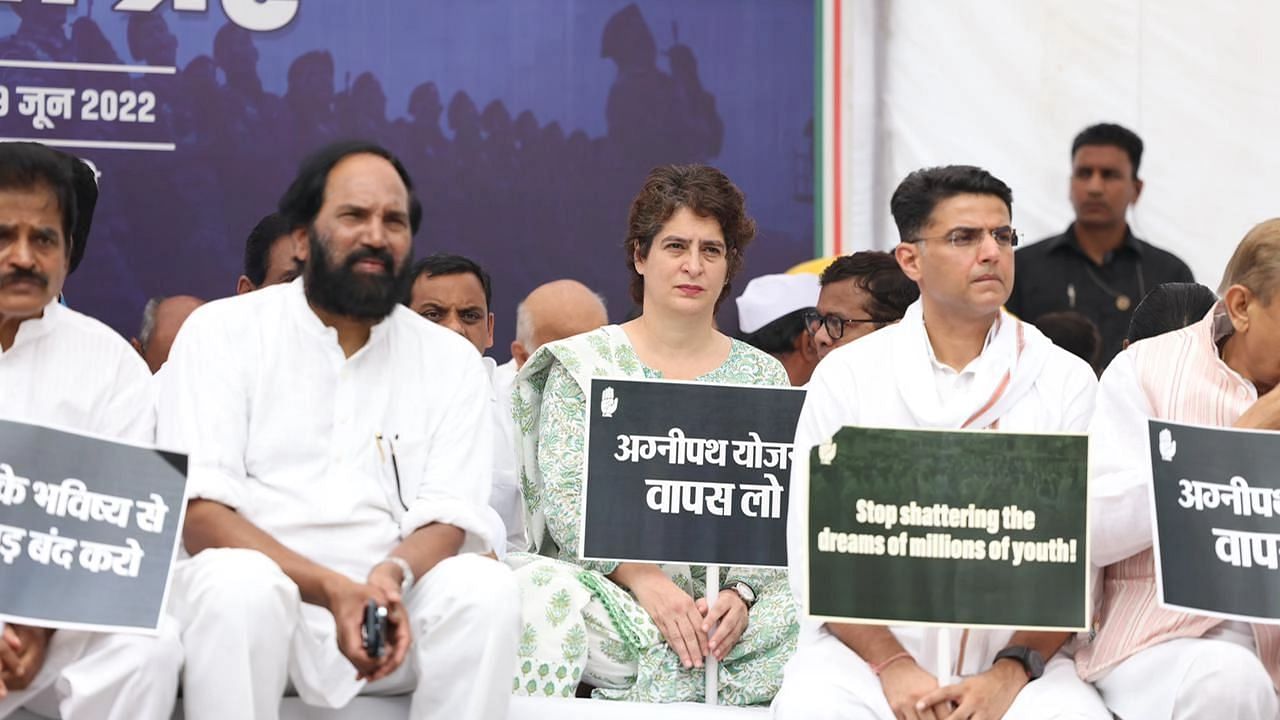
point(771, 316)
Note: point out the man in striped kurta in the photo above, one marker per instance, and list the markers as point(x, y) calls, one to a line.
point(1151, 663)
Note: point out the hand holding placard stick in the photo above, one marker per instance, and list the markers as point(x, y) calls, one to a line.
point(692, 474)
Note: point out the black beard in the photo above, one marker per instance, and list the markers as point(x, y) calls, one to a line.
point(342, 291)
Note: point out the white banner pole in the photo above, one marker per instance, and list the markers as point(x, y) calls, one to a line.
point(711, 666)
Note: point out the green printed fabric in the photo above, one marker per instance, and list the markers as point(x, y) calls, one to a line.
point(624, 655)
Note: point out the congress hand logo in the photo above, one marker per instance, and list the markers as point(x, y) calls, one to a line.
point(827, 452)
point(608, 403)
point(1168, 446)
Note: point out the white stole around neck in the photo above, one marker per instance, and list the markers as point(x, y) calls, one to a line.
point(1004, 372)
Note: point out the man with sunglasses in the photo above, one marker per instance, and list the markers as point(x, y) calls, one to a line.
point(954, 361)
point(860, 293)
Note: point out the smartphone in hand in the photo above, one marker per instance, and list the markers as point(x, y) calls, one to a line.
point(374, 630)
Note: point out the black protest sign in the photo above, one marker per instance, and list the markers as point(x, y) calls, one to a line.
point(88, 529)
point(683, 472)
point(971, 528)
point(1216, 494)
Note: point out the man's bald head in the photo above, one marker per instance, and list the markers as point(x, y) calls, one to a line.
point(161, 320)
point(554, 311)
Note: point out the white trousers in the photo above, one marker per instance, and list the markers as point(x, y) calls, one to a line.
point(1190, 679)
point(104, 676)
point(248, 636)
point(825, 680)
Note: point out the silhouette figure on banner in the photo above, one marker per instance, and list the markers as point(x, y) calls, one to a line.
point(490, 175)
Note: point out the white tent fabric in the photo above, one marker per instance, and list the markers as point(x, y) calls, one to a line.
point(1006, 85)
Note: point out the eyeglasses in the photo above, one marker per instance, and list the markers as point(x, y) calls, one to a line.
point(813, 321)
point(967, 237)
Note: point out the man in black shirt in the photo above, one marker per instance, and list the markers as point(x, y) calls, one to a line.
point(1097, 267)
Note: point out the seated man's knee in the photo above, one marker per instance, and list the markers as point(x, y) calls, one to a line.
point(237, 586)
point(814, 694)
point(476, 586)
point(162, 653)
point(814, 699)
point(1229, 677)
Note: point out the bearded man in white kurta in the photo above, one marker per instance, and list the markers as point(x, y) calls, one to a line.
point(339, 450)
point(956, 360)
point(61, 368)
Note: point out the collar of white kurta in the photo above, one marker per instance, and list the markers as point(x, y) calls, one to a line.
point(33, 329)
point(1005, 371)
point(306, 317)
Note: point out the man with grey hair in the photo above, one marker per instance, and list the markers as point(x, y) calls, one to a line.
point(1149, 661)
point(162, 317)
point(553, 311)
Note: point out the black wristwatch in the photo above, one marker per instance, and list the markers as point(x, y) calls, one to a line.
point(1032, 661)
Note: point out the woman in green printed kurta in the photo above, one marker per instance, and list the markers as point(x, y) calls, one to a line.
point(635, 631)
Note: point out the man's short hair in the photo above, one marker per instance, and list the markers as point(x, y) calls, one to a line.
point(524, 326)
point(1170, 306)
point(1256, 262)
point(921, 191)
point(1114, 136)
point(526, 323)
point(448, 264)
point(28, 165)
point(1075, 333)
point(305, 196)
point(777, 336)
point(878, 274)
point(149, 321)
point(257, 248)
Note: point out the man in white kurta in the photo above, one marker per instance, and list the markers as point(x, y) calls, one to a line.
point(1009, 377)
point(454, 292)
point(67, 370)
point(340, 449)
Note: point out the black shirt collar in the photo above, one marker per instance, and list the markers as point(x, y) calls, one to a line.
point(1068, 240)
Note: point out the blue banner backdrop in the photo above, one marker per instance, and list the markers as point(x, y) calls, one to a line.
point(528, 126)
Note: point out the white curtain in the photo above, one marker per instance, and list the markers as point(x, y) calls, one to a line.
point(1006, 85)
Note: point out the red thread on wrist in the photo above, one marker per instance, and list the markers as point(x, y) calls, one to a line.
point(879, 668)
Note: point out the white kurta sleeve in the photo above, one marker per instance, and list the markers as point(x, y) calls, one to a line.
point(1079, 396)
point(1120, 466)
point(202, 408)
point(827, 408)
point(129, 413)
point(455, 487)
